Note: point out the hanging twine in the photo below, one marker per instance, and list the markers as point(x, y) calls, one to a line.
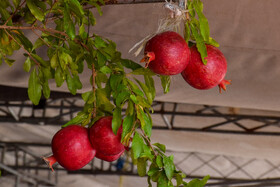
point(176, 14)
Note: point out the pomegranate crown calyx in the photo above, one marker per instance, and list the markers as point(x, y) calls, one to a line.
point(149, 56)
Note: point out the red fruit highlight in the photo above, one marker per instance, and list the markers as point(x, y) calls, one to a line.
point(207, 76)
point(167, 53)
point(104, 141)
point(71, 148)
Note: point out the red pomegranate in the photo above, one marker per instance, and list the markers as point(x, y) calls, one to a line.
point(167, 53)
point(207, 76)
point(71, 148)
point(108, 146)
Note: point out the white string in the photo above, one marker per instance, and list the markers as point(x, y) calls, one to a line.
point(175, 17)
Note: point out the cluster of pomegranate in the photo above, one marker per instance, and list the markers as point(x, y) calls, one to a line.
point(75, 146)
point(168, 54)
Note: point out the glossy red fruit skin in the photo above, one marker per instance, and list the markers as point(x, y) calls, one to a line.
point(109, 158)
point(102, 138)
point(207, 76)
point(171, 53)
point(71, 147)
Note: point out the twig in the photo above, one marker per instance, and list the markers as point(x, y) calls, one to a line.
point(149, 142)
point(14, 12)
point(93, 90)
point(47, 18)
point(41, 38)
point(33, 28)
point(23, 48)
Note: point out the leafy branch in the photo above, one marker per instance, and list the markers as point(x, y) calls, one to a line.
point(116, 88)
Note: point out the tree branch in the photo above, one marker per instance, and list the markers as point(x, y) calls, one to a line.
point(15, 12)
point(93, 90)
point(29, 54)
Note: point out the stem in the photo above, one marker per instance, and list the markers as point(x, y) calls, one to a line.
point(93, 90)
point(47, 19)
point(33, 28)
point(149, 142)
point(23, 48)
point(41, 38)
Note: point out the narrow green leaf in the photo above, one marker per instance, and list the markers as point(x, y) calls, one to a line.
point(127, 125)
point(137, 145)
point(103, 102)
point(71, 84)
point(76, 7)
point(35, 10)
point(59, 77)
point(146, 123)
point(69, 26)
point(203, 22)
point(40, 60)
point(81, 116)
point(146, 90)
point(115, 80)
point(141, 166)
point(143, 71)
point(162, 180)
point(198, 183)
point(105, 70)
point(169, 167)
point(34, 88)
point(117, 120)
point(99, 42)
point(46, 89)
point(201, 47)
point(160, 146)
point(88, 97)
point(159, 161)
point(54, 61)
point(165, 83)
point(135, 88)
point(130, 64)
point(122, 97)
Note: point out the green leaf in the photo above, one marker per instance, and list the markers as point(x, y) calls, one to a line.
point(69, 26)
point(34, 88)
point(117, 120)
point(105, 70)
point(165, 83)
point(201, 47)
point(146, 123)
point(159, 161)
point(122, 97)
point(40, 60)
point(135, 88)
point(160, 146)
point(137, 145)
point(39, 42)
point(21, 38)
point(162, 180)
point(59, 77)
point(203, 22)
point(46, 89)
point(146, 90)
point(88, 97)
point(127, 125)
point(130, 64)
point(70, 84)
point(103, 102)
point(149, 81)
point(141, 166)
point(143, 71)
point(101, 59)
point(76, 7)
point(54, 61)
point(99, 42)
point(115, 80)
point(35, 10)
point(198, 183)
point(169, 166)
point(8, 61)
point(81, 116)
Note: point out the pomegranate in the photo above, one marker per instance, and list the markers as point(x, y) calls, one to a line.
point(167, 53)
point(109, 158)
point(207, 76)
point(71, 148)
point(108, 146)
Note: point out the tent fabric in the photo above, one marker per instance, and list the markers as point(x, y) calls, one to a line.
point(248, 33)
